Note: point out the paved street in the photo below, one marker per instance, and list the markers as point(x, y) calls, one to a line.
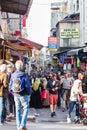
point(43, 121)
point(46, 126)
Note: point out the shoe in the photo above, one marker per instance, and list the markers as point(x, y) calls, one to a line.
point(54, 113)
point(76, 119)
point(68, 120)
point(63, 109)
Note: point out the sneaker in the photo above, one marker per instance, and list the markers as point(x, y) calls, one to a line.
point(63, 109)
point(54, 113)
point(68, 120)
point(76, 119)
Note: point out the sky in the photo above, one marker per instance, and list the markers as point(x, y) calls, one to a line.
point(38, 22)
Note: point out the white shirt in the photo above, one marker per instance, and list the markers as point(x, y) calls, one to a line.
point(76, 90)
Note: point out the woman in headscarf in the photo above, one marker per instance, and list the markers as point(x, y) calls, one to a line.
point(35, 98)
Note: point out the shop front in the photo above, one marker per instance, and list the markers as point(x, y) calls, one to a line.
point(12, 51)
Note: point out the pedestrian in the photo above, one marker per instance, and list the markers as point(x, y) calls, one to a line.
point(44, 92)
point(53, 85)
point(11, 103)
point(3, 92)
point(84, 83)
point(66, 87)
point(59, 76)
point(20, 86)
point(76, 91)
point(35, 98)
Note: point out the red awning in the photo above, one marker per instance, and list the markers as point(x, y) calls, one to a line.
point(18, 47)
point(31, 43)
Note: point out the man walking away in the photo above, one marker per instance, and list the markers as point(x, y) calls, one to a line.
point(20, 85)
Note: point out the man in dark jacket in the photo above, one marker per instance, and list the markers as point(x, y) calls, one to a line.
point(53, 86)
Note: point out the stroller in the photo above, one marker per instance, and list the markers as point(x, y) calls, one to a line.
point(81, 107)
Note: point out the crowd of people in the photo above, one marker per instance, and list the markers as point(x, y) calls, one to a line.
point(38, 90)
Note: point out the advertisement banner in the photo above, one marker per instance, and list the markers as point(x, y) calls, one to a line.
point(24, 20)
point(52, 43)
point(69, 33)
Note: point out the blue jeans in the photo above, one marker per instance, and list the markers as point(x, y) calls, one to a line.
point(2, 109)
point(21, 102)
point(71, 107)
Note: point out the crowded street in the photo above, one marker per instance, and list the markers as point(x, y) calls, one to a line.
point(43, 65)
point(44, 122)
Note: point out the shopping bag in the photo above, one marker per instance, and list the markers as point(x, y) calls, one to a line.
point(43, 94)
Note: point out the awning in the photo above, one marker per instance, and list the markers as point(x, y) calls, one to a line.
point(18, 47)
point(15, 46)
point(32, 44)
point(15, 6)
point(74, 51)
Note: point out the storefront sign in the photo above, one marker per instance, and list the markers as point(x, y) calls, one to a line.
point(24, 20)
point(69, 33)
point(52, 43)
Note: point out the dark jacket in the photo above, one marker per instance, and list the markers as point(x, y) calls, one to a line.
point(84, 85)
point(50, 86)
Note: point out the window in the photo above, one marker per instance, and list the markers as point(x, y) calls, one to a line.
point(66, 42)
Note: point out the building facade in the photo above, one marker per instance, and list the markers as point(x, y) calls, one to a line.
point(68, 31)
point(58, 12)
point(83, 22)
point(68, 37)
point(73, 6)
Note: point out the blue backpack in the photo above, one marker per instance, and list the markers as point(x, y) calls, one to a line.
point(28, 86)
point(22, 83)
point(18, 84)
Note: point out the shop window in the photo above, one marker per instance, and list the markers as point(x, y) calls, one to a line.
point(66, 42)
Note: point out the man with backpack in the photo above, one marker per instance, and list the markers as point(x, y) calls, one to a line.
point(20, 87)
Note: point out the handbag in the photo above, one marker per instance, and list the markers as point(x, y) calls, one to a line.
point(43, 94)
